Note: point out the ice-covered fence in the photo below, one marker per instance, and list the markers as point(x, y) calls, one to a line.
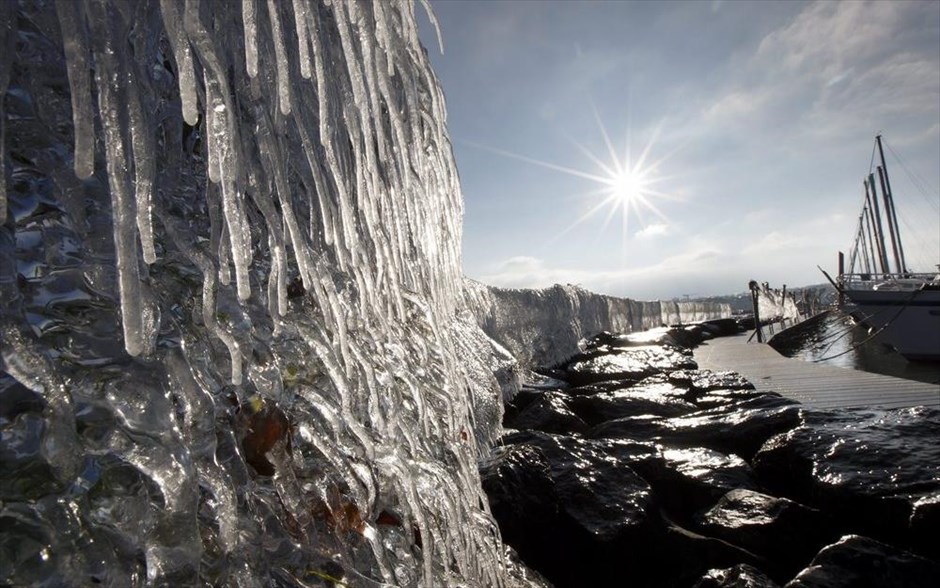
point(542, 327)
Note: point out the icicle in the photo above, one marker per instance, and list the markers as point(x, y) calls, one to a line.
point(249, 18)
point(173, 21)
point(280, 52)
point(300, 20)
point(75, 44)
point(277, 279)
point(224, 255)
point(212, 130)
point(110, 96)
point(144, 170)
point(222, 130)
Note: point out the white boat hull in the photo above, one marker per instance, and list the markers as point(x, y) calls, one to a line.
point(909, 320)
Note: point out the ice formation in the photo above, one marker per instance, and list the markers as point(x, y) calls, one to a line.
point(233, 342)
point(544, 327)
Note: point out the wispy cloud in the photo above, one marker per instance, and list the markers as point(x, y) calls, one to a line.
point(652, 231)
point(832, 68)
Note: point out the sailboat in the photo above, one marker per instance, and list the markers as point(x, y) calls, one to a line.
point(902, 306)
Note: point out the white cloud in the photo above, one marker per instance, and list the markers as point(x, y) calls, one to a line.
point(834, 68)
point(652, 231)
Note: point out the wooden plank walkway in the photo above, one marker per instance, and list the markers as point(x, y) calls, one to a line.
point(815, 385)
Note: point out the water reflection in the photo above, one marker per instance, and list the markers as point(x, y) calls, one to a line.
point(839, 341)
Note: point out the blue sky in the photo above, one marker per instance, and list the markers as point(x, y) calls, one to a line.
point(759, 120)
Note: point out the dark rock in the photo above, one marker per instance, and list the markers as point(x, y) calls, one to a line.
point(606, 386)
point(549, 413)
point(610, 340)
point(924, 522)
point(738, 428)
point(716, 398)
point(784, 532)
point(876, 462)
point(696, 335)
point(605, 406)
point(739, 576)
point(633, 363)
point(706, 380)
point(722, 327)
point(694, 478)
point(518, 483)
point(604, 508)
point(860, 562)
point(519, 402)
point(689, 555)
point(600, 494)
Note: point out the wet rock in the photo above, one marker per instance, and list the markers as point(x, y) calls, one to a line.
point(881, 463)
point(860, 562)
point(603, 507)
point(605, 406)
point(606, 339)
point(924, 522)
point(609, 530)
point(632, 363)
point(689, 555)
point(692, 479)
point(738, 428)
point(687, 337)
point(518, 482)
point(739, 576)
point(602, 496)
point(519, 573)
point(722, 327)
point(518, 403)
point(605, 386)
point(549, 413)
point(707, 380)
point(784, 532)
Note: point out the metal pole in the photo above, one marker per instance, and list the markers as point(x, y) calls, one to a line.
point(894, 213)
point(879, 231)
point(755, 291)
point(871, 238)
point(891, 227)
point(841, 271)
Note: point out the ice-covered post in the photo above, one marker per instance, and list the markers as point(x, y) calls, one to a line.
point(755, 292)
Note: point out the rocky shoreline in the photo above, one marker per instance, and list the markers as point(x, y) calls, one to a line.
point(627, 465)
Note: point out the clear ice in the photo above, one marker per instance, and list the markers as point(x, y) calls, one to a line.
point(234, 344)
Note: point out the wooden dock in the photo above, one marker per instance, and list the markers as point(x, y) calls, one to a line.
point(813, 384)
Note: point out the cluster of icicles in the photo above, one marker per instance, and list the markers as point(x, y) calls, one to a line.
point(391, 197)
point(324, 121)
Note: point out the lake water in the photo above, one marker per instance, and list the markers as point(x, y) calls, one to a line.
point(838, 340)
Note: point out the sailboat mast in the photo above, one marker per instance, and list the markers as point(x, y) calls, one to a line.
point(891, 227)
point(871, 238)
point(889, 198)
point(872, 197)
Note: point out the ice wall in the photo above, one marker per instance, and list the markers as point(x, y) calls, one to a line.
point(230, 301)
point(776, 304)
point(543, 327)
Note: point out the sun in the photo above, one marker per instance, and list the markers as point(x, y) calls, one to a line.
point(626, 186)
